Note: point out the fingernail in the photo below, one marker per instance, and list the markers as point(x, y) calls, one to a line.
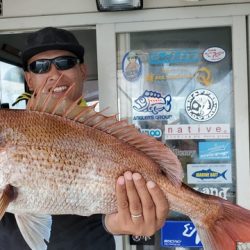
point(150, 184)
point(128, 175)
point(136, 176)
point(120, 180)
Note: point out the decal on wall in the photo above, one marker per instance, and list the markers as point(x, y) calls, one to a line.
point(141, 240)
point(152, 105)
point(209, 173)
point(152, 132)
point(131, 66)
point(217, 150)
point(201, 105)
point(152, 101)
point(179, 234)
point(197, 131)
point(217, 191)
point(204, 76)
point(174, 56)
point(214, 54)
point(184, 153)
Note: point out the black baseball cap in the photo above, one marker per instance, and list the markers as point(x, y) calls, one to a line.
point(50, 38)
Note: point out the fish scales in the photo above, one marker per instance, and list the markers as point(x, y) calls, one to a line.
point(62, 166)
point(71, 157)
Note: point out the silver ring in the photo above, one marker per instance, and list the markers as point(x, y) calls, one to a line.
point(136, 215)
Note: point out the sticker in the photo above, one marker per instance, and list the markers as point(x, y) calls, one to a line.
point(152, 132)
point(201, 105)
point(204, 76)
point(197, 131)
point(141, 240)
point(217, 191)
point(184, 153)
point(167, 76)
point(152, 102)
point(214, 54)
point(151, 117)
point(131, 66)
point(179, 234)
point(218, 150)
point(174, 56)
point(209, 173)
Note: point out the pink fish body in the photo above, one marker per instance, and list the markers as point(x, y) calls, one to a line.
point(56, 161)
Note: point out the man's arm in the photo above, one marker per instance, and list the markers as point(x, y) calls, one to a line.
point(142, 207)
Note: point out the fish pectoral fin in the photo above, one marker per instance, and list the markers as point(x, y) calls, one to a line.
point(8, 195)
point(35, 229)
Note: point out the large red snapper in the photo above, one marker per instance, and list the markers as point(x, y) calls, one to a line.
point(66, 161)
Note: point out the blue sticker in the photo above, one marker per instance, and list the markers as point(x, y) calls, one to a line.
point(174, 56)
point(209, 174)
point(157, 133)
point(179, 234)
point(153, 102)
point(218, 150)
point(131, 66)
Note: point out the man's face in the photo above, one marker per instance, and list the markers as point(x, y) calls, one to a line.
point(75, 75)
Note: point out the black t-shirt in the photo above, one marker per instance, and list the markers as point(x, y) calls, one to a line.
point(69, 232)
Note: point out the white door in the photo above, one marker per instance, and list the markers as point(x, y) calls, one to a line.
point(187, 75)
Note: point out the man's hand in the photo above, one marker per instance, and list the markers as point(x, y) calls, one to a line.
point(142, 207)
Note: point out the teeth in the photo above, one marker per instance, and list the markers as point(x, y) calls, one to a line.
point(60, 89)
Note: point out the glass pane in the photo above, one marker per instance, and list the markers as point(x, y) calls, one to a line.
point(12, 85)
point(177, 86)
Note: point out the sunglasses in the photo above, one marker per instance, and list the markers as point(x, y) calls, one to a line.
point(62, 63)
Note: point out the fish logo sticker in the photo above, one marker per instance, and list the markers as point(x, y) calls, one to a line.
point(202, 105)
point(209, 173)
point(131, 66)
point(153, 102)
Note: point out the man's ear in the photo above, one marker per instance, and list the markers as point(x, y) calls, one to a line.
point(83, 69)
point(28, 80)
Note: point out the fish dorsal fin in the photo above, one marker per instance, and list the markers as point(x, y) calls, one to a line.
point(8, 195)
point(44, 101)
point(35, 229)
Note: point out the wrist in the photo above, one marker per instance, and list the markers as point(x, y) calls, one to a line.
point(104, 224)
point(108, 228)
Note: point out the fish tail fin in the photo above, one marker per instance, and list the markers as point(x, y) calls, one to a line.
point(230, 225)
point(224, 174)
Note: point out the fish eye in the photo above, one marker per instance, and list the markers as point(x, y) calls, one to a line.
point(142, 99)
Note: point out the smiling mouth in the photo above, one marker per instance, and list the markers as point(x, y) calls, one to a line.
point(60, 89)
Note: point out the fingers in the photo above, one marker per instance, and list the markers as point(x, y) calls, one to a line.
point(135, 206)
point(160, 202)
point(118, 223)
point(142, 207)
point(147, 204)
point(122, 199)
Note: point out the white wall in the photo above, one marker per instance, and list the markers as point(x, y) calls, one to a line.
point(15, 8)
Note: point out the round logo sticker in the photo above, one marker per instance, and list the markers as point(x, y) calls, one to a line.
point(201, 105)
point(214, 54)
point(131, 66)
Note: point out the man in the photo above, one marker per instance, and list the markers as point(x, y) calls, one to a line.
point(142, 207)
